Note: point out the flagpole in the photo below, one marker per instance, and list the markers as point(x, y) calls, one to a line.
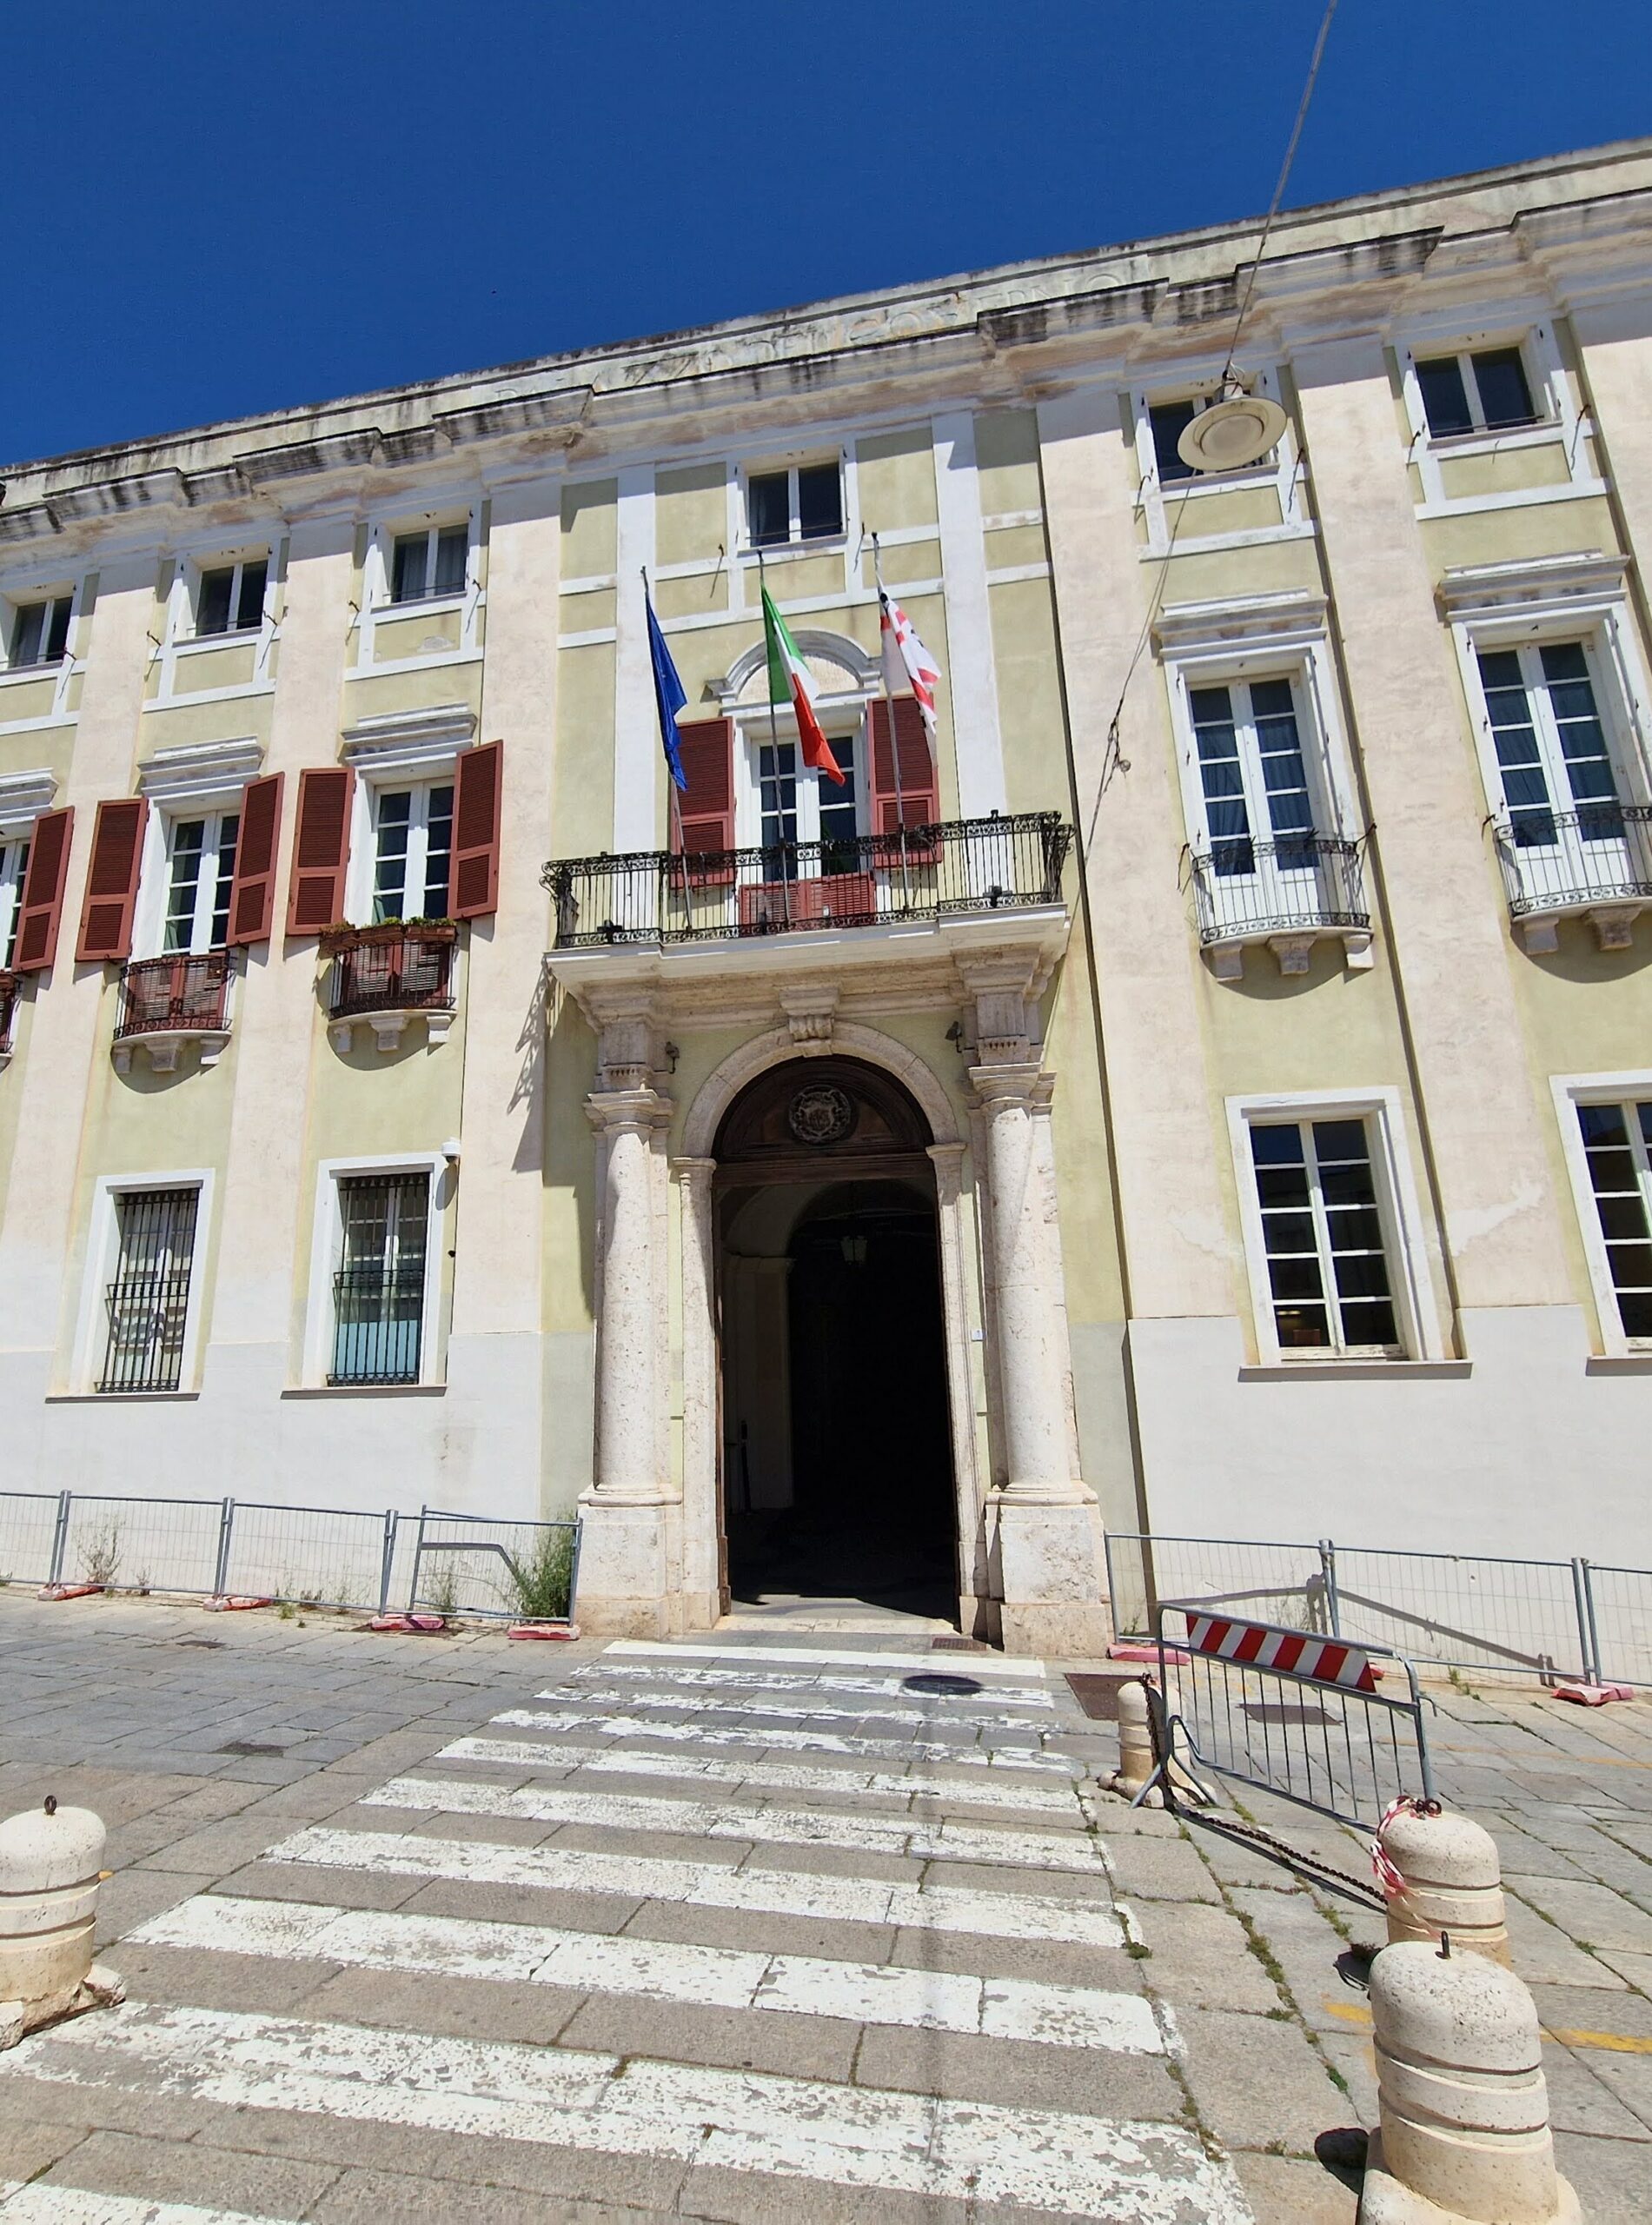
point(894, 742)
point(773, 735)
point(671, 787)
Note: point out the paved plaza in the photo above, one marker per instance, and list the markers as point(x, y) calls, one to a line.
point(758, 1925)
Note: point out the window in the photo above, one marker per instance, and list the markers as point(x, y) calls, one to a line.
point(1252, 777)
point(804, 503)
point(379, 1284)
point(201, 867)
point(14, 863)
point(796, 804)
point(1168, 420)
point(1551, 745)
point(230, 599)
point(1617, 1145)
point(431, 562)
point(1482, 390)
point(412, 852)
point(147, 1300)
point(40, 632)
point(1323, 1236)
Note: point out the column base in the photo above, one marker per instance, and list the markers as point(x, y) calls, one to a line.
point(629, 1556)
point(1052, 1574)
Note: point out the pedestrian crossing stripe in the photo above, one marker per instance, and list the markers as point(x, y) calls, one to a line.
point(785, 1738)
point(1021, 1672)
point(864, 2138)
point(783, 1777)
point(709, 1885)
point(826, 1706)
point(804, 1684)
point(39, 2204)
point(916, 1835)
point(666, 1970)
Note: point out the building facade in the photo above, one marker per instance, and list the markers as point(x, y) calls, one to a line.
point(1212, 1093)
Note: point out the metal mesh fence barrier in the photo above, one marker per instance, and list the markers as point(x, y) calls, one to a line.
point(1620, 1609)
point(1470, 1611)
point(27, 1525)
point(463, 1565)
point(320, 1556)
point(140, 1544)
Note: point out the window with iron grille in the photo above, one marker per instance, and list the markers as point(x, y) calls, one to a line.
point(379, 1286)
point(1617, 1143)
point(1322, 1235)
point(147, 1297)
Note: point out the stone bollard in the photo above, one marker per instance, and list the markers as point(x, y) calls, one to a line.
point(49, 1873)
point(1463, 2128)
point(1135, 1744)
point(1449, 1880)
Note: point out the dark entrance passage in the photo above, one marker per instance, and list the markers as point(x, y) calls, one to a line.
point(838, 1477)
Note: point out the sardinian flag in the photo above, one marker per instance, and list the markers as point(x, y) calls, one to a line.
point(907, 663)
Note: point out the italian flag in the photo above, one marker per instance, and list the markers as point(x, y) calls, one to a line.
point(791, 682)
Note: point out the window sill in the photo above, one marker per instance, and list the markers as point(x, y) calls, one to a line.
point(1359, 1371)
point(422, 606)
point(825, 544)
point(1637, 1363)
point(1483, 440)
point(121, 1397)
point(366, 1390)
point(17, 673)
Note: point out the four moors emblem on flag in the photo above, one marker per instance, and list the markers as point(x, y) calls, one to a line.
point(906, 665)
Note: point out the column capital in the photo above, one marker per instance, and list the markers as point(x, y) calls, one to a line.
point(1022, 1082)
point(693, 1173)
point(627, 1111)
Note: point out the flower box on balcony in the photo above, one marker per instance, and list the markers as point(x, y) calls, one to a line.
point(387, 975)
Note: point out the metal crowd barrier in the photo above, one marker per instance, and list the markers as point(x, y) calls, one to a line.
point(468, 1564)
point(1292, 1712)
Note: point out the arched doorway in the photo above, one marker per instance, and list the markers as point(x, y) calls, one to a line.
point(837, 1471)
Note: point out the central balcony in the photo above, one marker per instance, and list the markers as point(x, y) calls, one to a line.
point(885, 917)
point(1287, 893)
point(387, 975)
point(167, 1002)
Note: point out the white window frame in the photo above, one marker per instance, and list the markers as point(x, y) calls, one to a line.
point(794, 544)
point(12, 848)
point(155, 893)
point(180, 644)
point(1527, 326)
point(1570, 1091)
point(360, 886)
point(13, 596)
point(102, 1250)
point(377, 609)
point(843, 724)
point(327, 1246)
point(1283, 468)
point(236, 566)
point(1403, 1228)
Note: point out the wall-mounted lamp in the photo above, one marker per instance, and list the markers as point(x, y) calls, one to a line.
point(450, 1151)
point(955, 1037)
point(854, 1250)
point(672, 1056)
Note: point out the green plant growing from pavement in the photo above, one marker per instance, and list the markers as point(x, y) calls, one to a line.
point(541, 1578)
point(442, 1588)
point(100, 1556)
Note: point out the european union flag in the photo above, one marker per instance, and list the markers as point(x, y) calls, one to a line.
point(668, 694)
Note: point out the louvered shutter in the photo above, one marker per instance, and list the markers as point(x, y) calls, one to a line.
point(320, 849)
point(703, 821)
point(252, 892)
point(111, 881)
point(43, 892)
point(918, 804)
point(473, 876)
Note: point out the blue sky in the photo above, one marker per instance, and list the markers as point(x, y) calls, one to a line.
point(212, 212)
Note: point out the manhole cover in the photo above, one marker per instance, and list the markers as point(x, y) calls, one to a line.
point(959, 1645)
point(1097, 1696)
point(956, 1687)
point(248, 1747)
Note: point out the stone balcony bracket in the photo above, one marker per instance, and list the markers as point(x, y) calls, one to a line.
point(388, 1028)
point(164, 1045)
point(1614, 924)
point(1293, 952)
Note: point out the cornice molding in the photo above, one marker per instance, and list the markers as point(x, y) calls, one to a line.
point(1535, 585)
point(198, 769)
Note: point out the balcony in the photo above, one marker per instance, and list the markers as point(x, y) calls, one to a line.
point(387, 975)
point(1287, 893)
point(1593, 863)
point(887, 922)
point(167, 1002)
point(8, 986)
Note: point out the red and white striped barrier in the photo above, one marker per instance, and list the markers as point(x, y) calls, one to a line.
point(1259, 1645)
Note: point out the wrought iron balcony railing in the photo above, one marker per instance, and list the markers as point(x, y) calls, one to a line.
point(184, 994)
point(1294, 885)
point(1557, 861)
point(967, 865)
point(407, 972)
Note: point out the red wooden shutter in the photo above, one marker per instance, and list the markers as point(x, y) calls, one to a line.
point(320, 849)
point(703, 818)
point(111, 879)
point(43, 892)
point(472, 875)
point(918, 804)
point(252, 892)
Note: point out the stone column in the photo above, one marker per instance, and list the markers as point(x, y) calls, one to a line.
point(1043, 1520)
point(629, 1567)
point(976, 1605)
point(702, 1571)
